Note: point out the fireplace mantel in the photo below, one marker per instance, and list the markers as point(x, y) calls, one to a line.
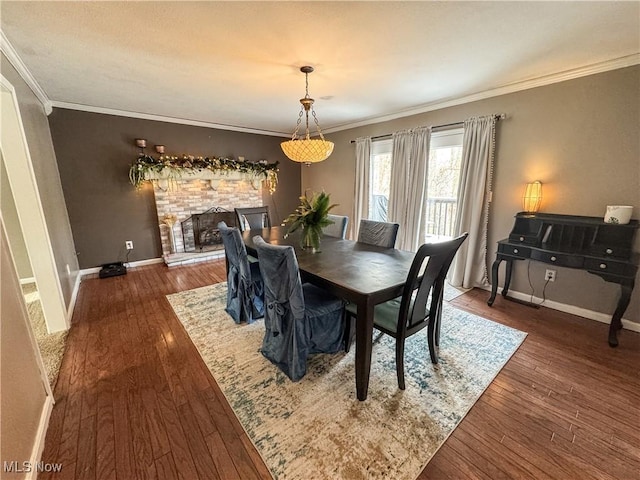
point(165, 176)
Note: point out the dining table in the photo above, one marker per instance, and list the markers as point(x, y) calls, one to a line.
point(363, 274)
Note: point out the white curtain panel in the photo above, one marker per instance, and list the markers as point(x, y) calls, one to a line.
point(408, 193)
point(474, 192)
point(363, 181)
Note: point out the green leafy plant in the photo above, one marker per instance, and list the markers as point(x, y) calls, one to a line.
point(312, 217)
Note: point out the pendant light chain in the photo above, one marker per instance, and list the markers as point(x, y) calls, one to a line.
point(305, 149)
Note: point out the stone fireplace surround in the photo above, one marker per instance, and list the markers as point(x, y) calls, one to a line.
point(186, 197)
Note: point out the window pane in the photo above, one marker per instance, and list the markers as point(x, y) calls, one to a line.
point(380, 185)
point(442, 189)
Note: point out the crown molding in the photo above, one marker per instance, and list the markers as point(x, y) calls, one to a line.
point(23, 71)
point(162, 118)
point(592, 69)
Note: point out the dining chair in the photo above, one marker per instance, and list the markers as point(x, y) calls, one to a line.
point(252, 218)
point(420, 305)
point(300, 319)
point(381, 234)
point(338, 228)
point(245, 289)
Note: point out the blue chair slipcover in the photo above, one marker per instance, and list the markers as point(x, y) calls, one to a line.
point(245, 290)
point(382, 234)
point(338, 228)
point(300, 319)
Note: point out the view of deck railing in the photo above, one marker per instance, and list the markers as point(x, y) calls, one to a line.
point(441, 216)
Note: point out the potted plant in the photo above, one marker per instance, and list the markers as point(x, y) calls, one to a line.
point(312, 216)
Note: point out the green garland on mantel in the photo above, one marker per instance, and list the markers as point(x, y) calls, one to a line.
point(175, 167)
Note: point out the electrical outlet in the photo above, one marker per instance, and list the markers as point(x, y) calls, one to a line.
point(550, 275)
point(129, 244)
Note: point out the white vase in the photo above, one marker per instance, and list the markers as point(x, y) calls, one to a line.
point(172, 240)
point(619, 214)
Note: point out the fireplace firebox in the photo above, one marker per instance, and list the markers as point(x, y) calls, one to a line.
point(200, 231)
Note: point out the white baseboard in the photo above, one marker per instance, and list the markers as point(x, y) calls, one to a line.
point(38, 445)
point(572, 309)
point(74, 297)
point(148, 261)
point(28, 280)
point(139, 263)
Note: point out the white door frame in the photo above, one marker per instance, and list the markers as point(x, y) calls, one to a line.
point(17, 159)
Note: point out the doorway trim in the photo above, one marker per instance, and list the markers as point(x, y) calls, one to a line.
point(17, 160)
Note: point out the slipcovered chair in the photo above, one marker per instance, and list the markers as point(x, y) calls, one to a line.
point(420, 305)
point(253, 217)
point(300, 319)
point(338, 228)
point(245, 290)
point(381, 234)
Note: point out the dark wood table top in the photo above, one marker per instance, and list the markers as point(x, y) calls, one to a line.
point(355, 268)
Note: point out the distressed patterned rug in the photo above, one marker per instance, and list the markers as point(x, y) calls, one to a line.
point(316, 428)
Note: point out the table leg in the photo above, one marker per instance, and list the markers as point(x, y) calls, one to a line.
point(364, 332)
point(507, 277)
point(494, 281)
point(616, 320)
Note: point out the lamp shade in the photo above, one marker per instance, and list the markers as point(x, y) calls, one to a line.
point(307, 150)
point(532, 197)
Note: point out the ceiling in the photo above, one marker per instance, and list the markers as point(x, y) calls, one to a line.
point(236, 64)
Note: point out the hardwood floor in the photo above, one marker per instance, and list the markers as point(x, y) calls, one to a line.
point(135, 400)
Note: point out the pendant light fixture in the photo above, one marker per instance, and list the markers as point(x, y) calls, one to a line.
point(305, 149)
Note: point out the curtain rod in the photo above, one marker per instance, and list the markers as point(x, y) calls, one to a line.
point(499, 116)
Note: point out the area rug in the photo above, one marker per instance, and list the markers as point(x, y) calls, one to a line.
point(316, 428)
point(451, 292)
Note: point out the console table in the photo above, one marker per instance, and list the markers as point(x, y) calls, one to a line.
point(586, 243)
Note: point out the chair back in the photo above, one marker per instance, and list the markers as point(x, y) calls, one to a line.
point(242, 287)
point(381, 234)
point(253, 218)
point(285, 342)
point(422, 281)
point(338, 228)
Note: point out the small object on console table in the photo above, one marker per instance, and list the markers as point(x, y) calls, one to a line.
point(586, 243)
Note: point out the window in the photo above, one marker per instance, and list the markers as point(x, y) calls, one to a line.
point(445, 158)
point(380, 179)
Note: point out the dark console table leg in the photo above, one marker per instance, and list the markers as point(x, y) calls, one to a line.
point(494, 281)
point(507, 277)
point(616, 320)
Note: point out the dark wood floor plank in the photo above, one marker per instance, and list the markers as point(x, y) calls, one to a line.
point(182, 458)
point(224, 424)
point(158, 435)
point(134, 400)
point(68, 448)
point(123, 436)
point(141, 436)
point(221, 458)
point(197, 445)
point(105, 440)
point(166, 468)
point(86, 463)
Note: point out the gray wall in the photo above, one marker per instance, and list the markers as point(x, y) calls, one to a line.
point(581, 138)
point(94, 153)
point(43, 159)
point(23, 393)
